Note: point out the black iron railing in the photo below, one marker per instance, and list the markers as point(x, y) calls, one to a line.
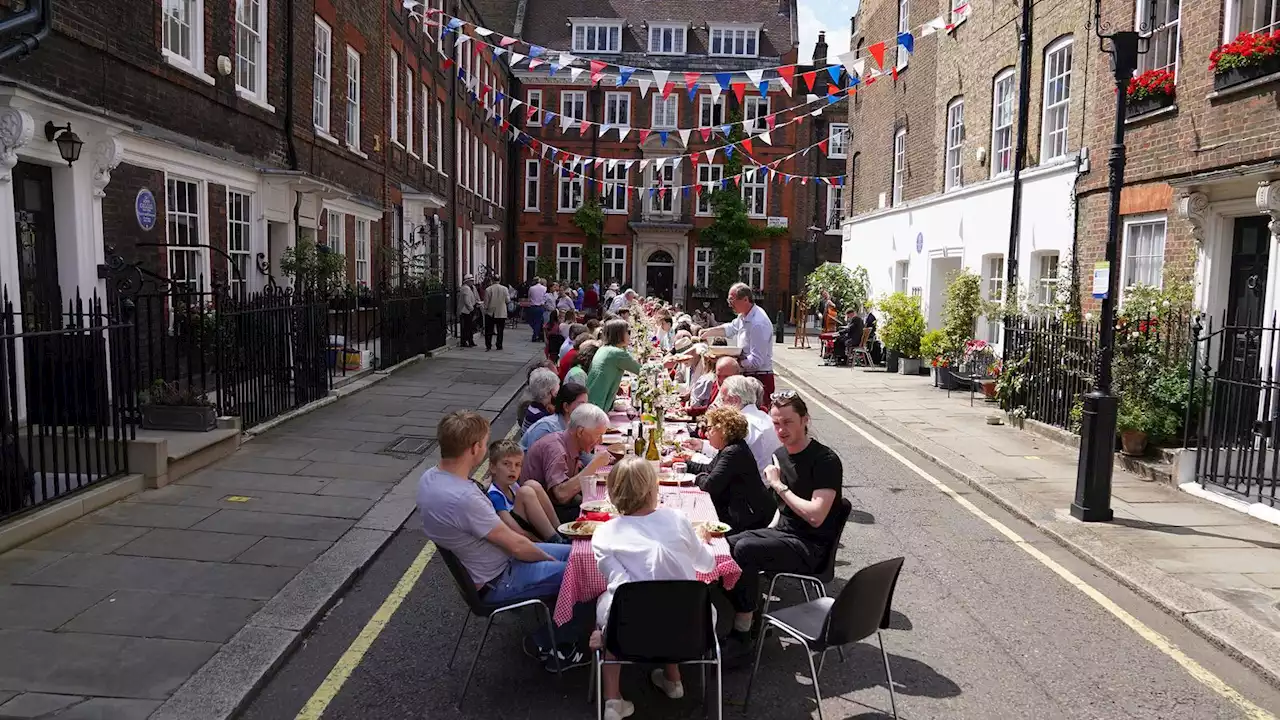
point(66, 400)
point(1057, 358)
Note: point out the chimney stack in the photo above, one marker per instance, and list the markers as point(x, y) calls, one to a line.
point(820, 50)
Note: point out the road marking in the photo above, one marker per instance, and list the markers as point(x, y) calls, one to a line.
point(1166, 646)
point(354, 655)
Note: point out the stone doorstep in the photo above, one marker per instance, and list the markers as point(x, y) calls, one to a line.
point(1250, 642)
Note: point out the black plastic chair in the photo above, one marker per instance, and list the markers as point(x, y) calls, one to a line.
point(478, 607)
point(661, 622)
point(862, 609)
point(828, 573)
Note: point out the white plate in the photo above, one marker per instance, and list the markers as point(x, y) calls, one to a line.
point(724, 351)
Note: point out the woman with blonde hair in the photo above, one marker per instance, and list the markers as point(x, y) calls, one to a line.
point(645, 543)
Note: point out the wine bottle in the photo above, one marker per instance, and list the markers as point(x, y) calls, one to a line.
point(630, 446)
point(654, 452)
point(639, 444)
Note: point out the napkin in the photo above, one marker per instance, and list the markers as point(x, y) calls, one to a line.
point(595, 516)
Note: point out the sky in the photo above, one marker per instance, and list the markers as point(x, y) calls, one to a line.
point(829, 15)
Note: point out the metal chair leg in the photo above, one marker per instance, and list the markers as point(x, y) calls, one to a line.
point(551, 630)
point(813, 673)
point(720, 690)
point(456, 645)
point(475, 659)
point(893, 700)
point(599, 668)
point(759, 649)
point(822, 660)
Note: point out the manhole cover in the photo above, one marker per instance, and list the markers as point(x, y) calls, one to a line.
point(410, 445)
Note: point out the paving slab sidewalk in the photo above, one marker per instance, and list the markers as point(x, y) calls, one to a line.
point(1214, 568)
point(176, 603)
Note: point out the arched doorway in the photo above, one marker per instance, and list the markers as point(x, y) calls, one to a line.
point(660, 271)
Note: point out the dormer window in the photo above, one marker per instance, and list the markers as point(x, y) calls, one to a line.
point(594, 35)
point(666, 38)
point(735, 41)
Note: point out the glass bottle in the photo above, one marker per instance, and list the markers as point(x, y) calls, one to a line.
point(630, 446)
point(653, 453)
point(639, 444)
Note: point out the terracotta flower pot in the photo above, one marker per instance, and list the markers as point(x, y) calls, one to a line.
point(989, 389)
point(1134, 443)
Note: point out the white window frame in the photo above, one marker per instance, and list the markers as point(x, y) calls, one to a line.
point(728, 34)
point(409, 84)
point(251, 51)
point(703, 259)
point(617, 109)
point(613, 257)
point(569, 262)
point(835, 206)
point(710, 176)
point(197, 228)
point(666, 112)
point(569, 180)
point(1164, 38)
point(899, 178)
point(501, 185)
point(660, 33)
point(755, 185)
point(334, 232)
point(354, 83)
point(1055, 138)
point(393, 73)
point(530, 261)
point(1047, 276)
point(709, 108)
point(993, 288)
point(440, 138)
point(753, 115)
point(751, 272)
point(838, 141)
point(426, 124)
point(576, 103)
point(533, 99)
point(239, 241)
point(902, 276)
point(1003, 112)
point(613, 190)
point(362, 250)
point(589, 39)
point(1156, 222)
point(900, 56)
point(322, 78)
point(183, 22)
point(662, 177)
point(1232, 22)
point(953, 158)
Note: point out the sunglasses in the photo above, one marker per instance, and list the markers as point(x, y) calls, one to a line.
point(785, 395)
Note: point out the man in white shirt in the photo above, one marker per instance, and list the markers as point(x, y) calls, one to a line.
point(753, 331)
point(744, 393)
point(622, 301)
point(534, 314)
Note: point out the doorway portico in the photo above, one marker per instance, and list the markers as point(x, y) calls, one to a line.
point(664, 247)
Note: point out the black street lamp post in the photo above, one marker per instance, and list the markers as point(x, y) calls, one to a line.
point(1098, 427)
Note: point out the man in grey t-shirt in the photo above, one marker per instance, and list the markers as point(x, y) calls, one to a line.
point(505, 566)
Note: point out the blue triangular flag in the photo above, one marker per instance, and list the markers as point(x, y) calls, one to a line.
point(462, 75)
point(624, 74)
point(728, 151)
point(536, 51)
point(499, 97)
point(764, 88)
point(854, 80)
point(724, 184)
point(685, 191)
point(726, 129)
point(653, 191)
point(840, 181)
point(553, 68)
point(548, 117)
point(908, 41)
point(724, 79)
point(497, 52)
point(693, 92)
point(455, 23)
point(764, 170)
point(662, 135)
point(831, 99)
point(834, 72)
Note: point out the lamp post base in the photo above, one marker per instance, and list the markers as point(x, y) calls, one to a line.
point(1097, 454)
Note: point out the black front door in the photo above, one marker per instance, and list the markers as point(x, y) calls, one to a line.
point(1240, 366)
point(37, 245)
point(660, 281)
point(1250, 253)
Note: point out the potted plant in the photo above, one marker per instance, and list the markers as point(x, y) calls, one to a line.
point(847, 288)
point(315, 269)
point(933, 348)
point(992, 380)
point(1249, 56)
point(1149, 92)
point(1132, 422)
point(166, 406)
point(902, 329)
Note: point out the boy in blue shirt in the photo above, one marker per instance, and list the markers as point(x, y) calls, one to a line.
point(525, 508)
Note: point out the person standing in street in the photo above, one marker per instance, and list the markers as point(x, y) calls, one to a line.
point(537, 296)
point(753, 331)
point(496, 298)
point(467, 304)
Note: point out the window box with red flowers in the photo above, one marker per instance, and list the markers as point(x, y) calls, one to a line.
point(1150, 91)
point(1248, 57)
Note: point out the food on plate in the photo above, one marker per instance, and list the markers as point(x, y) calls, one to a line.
point(678, 416)
point(714, 529)
point(578, 528)
point(666, 477)
point(618, 450)
point(599, 506)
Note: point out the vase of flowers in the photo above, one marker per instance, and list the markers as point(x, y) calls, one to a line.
point(1150, 91)
point(1248, 57)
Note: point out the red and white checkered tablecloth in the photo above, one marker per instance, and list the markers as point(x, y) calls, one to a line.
point(584, 583)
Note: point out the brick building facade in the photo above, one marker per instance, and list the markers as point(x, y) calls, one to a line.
point(652, 242)
point(217, 134)
point(932, 149)
point(1201, 179)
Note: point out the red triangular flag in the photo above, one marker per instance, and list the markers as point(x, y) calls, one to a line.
point(505, 126)
point(771, 121)
point(737, 179)
point(822, 145)
point(870, 80)
point(810, 78)
point(666, 89)
point(739, 89)
point(662, 192)
point(788, 74)
point(597, 71)
point(584, 127)
point(746, 145)
point(691, 79)
point(506, 41)
point(530, 112)
point(894, 72)
point(484, 90)
point(694, 158)
point(706, 134)
point(877, 52)
point(644, 135)
point(697, 189)
point(447, 63)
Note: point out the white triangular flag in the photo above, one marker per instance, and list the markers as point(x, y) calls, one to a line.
point(613, 163)
point(545, 147)
point(933, 26)
point(644, 85)
point(675, 165)
point(461, 39)
point(660, 78)
point(715, 92)
point(764, 138)
point(566, 122)
point(574, 73)
point(848, 59)
point(643, 164)
point(629, 163)
point(515, 103)
point(755, 76)
point(859, 67)
point(710, 154)
point(684, 137)
point(622, 134)
point(657, 163)
point(514, 59)
point(810, 99)
point(483, 32)
point(567, 60)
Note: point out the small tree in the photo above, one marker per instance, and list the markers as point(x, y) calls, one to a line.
point(313, 268)
point(848, 288)
point(590, 220)
point(960, 310)
point(904, 324)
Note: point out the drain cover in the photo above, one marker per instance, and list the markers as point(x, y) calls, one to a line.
point(410, 445)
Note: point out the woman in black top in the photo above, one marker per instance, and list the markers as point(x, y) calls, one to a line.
point(807, 477)
point(732, 478)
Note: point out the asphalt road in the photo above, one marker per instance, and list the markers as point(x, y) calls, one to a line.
point(981, 629)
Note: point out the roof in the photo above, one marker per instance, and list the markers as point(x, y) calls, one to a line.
point(546, 23)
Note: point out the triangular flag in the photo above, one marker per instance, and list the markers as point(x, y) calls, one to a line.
point(530, 112)
point(764, 88)
point(455, 23)
point(788, 76)
point(666, 90)
point(831, 99)
point(764, 137)
point(804, 181)
point(834, 72)
point(877, 53)
point(574, 73)
point(566, 122)
point(810, 78)
point(755, 76)
point(660, 77)
point(498, 52)
point(447, 63)
point(644, 164)
point(662, 135)
point(622, 133)
point(584, 127)
point(715, 93)
point(691, 80)
point(822, 145)
point(534, 63)
point(461, 39)
point(483, 32)
point(644, 135)
point(693, 93)
point(746, 145)
point(597, 71)
point(724, 79)
point(515, 103)
point(684, 137)
point(506, 41)
point(536, 51)
point(770, 121)
point(728, 151)
point(644, 86)
point(711, 154)
point(658, 163)
point(894, 72)
point(739, 89)
point(514, 59)
point(907, 42)
point(706, 134)
point(726, 129)
point(624, 74)
point(566, 59)
point(554, 67)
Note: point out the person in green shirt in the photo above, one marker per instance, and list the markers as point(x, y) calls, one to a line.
point(608, 365)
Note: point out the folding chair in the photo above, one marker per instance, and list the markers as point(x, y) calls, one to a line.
point(478, 607)
point(661, 622)
point(861, 352)
point(862, 609)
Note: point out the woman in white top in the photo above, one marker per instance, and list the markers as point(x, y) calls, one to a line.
point(645, 543)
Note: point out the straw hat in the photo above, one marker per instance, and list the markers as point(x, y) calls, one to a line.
point(683, 344)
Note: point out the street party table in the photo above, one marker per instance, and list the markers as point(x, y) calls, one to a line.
point(583, 581)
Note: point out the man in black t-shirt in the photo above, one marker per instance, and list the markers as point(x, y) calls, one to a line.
point(807, 477)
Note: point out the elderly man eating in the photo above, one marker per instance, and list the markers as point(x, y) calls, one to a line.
point(555, 459)
point(744, 394)
point(726, 367)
